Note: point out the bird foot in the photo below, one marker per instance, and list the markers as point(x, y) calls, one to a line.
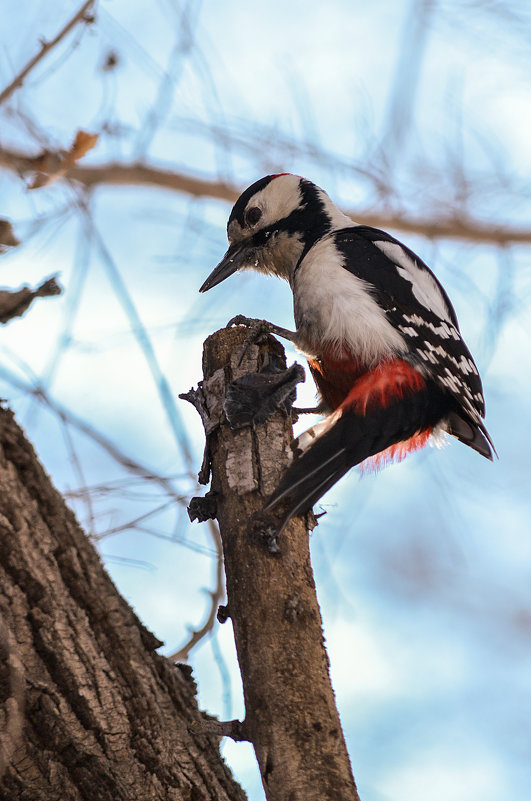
point(259, 329)
point(248, 322)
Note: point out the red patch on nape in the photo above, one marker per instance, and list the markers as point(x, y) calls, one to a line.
point(396, 452)
point(280, 174)
point(381, 387)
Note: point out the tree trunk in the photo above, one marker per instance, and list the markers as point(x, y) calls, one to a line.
point(88, 710)
point(291, 716)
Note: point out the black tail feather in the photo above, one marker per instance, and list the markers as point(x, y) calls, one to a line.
point(307, 489)
point(351, 440)
point(472, 434)
point(317, 473)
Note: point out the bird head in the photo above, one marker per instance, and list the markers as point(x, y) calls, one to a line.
point(272, 224)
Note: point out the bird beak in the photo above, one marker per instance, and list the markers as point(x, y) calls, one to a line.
point(236, 257)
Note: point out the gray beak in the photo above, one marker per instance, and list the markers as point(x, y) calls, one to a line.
point(237, 256)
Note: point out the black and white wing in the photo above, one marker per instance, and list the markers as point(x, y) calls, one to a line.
point(417, 306)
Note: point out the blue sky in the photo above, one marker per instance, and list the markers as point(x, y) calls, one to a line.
point(423, 571)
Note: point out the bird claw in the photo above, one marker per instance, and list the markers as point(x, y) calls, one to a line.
point(250, 322)
point(241, 319)
point(259, 328)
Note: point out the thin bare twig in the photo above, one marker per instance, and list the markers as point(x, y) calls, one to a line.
point(136, 468)
point(133, 524)
point(19, 79)
point(77, 468)
point(129, 464)
point(181, 48)
point(145, 344)
point(463, 228)
point(404, 87)
point(216, 596)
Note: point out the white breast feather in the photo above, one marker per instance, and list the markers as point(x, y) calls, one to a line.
point(334, 307)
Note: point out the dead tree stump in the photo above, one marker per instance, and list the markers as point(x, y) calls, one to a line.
point(291, 716)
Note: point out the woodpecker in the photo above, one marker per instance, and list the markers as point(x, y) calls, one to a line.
point(378, 330)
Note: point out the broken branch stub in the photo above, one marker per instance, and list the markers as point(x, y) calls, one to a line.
point(291, 717)
point(13, 303)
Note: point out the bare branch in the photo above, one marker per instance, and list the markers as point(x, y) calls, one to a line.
point(146, 346)
point(235, 729)
point(51, 166)
point(463, 228)
point(19, 79)
point(128, 463)
point(404, 88)
point(216, 596)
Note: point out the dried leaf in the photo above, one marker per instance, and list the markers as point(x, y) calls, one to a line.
point(13, 303)
point(48, 288)
point(7, 236)
point(83, 142)
point(52, 166)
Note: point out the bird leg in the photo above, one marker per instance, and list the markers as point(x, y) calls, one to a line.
point(258, 329)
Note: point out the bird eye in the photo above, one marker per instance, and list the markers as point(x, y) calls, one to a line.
point(253, 215)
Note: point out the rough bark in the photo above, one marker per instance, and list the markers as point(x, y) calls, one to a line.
point(291, 716)
point(88, 710)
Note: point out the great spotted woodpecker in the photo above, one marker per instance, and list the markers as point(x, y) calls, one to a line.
point(379, 332)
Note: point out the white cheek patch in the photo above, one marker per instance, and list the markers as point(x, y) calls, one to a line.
point(423, 284)
point(277, 200)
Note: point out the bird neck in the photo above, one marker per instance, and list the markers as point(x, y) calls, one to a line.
point(319, 217)
point(336, 219)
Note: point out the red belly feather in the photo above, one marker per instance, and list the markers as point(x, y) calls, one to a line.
point(348, 386)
